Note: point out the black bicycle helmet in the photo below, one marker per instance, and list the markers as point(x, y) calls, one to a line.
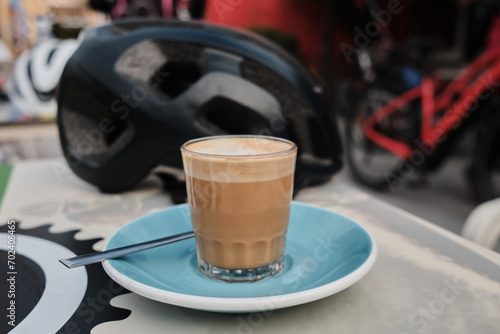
point(135, 91)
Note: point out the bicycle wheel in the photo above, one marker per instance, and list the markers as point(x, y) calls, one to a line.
point(486, 165)
point(369, 163)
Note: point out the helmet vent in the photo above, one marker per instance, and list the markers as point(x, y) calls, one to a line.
point(42, 96)
point(49, 57)
point(176, 77)
point(318, 136)
point(223, 116)
point(166, 69)
point(96, 135)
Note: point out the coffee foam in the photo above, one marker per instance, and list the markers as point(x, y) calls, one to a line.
point(239, 146)
point(239, 160)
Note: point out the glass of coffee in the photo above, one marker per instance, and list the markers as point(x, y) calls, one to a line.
point(239, 191)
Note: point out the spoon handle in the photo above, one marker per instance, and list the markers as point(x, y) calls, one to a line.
point(83, 260)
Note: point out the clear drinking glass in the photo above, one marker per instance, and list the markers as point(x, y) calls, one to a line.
point(239, 192)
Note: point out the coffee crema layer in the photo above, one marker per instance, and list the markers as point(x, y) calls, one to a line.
point(239, 159)
point(239, 146)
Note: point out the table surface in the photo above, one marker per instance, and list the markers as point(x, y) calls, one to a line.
point(425, 279)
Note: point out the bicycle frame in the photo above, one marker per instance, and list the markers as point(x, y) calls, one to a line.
point(456, 102)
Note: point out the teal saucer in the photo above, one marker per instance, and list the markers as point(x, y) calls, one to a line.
point(325, 253)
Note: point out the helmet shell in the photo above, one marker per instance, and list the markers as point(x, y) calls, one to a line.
point(135, 91)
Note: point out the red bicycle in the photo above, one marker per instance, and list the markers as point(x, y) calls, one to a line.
point(392, 134)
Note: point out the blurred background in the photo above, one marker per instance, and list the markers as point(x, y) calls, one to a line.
point(367, 53)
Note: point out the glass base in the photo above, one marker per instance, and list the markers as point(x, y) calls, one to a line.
point(241, 275)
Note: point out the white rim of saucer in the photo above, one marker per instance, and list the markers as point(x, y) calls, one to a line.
point(246, 304)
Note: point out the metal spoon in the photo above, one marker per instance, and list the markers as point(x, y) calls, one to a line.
point(83, 260)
